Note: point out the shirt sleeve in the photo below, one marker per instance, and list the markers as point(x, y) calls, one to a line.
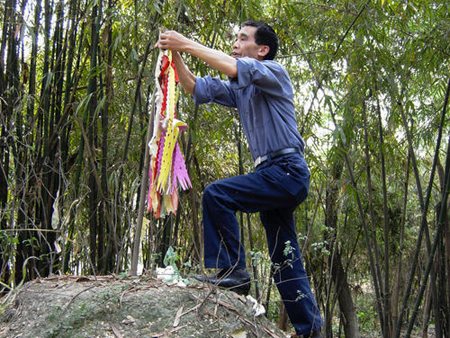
point(268, 76)
point(208, 89)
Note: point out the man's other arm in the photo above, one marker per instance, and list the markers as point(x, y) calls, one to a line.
point(185, 76)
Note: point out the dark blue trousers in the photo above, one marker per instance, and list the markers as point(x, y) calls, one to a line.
point(274, 190)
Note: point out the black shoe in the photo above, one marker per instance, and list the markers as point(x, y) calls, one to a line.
point(316, 334)
point(313, 335)
point(236, 280)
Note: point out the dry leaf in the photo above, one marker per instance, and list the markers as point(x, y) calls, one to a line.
point(239, 333)
point(178, 316)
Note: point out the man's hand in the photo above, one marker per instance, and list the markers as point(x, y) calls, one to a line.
point(172, 40)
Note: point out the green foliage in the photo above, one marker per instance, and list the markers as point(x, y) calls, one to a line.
point(366, 317)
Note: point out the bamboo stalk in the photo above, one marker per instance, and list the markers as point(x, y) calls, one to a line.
point(424, 214)
point(143, 192)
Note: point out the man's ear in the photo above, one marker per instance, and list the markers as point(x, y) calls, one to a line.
point(263, 50)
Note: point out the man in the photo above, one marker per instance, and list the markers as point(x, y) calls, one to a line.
point(261, 90)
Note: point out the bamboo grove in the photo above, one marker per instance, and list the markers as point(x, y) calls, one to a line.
point(372, 81)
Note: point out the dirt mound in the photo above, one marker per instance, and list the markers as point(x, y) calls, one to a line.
point(116, 307)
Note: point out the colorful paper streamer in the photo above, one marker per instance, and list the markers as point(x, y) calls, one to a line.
point(168, 172)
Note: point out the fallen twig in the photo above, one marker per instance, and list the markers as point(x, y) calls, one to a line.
point(115, 331)
point(167, 333)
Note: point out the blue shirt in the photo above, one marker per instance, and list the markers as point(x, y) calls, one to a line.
point(262, 93)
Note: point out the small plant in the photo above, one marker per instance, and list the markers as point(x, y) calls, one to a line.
point(300, 295)
point(171, 272)
point(321, 246)
point(288, 249)
point(367, 319)
point(171, 258)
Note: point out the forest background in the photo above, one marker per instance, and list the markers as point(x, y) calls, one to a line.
point(372, 85)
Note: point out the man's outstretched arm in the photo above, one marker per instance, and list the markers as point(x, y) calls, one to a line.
point(218, 60)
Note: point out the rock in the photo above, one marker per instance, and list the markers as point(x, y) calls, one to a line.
point(110, 306)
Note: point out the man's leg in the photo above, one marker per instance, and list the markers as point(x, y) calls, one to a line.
point(289, 273)
point(222, 245)
point(274, 190)
point(279, 183)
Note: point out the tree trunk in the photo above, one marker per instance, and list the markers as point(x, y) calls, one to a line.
point(372, 240)
point(446, 276)
point(92, 137)
point(338, 275)
point(105, 125)
point(426, 313)
point(346, 306)
point(444, 271)
point(73, 72)
point(386, 290)
point(283, 318)
point(197, 236)
point(5, 116)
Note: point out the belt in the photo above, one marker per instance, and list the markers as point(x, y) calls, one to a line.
point(275, 154)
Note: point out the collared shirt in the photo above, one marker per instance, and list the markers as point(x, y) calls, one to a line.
point(262, 93)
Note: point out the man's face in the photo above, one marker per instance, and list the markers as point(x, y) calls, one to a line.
point(245, 44)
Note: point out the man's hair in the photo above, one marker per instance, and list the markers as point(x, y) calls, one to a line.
point(265, 35)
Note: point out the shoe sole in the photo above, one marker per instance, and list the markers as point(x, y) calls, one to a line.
point(239, 290)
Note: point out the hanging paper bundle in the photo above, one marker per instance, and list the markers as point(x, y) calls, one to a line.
point(167, 166)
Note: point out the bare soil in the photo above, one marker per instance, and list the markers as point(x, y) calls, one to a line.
point(111, 306)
